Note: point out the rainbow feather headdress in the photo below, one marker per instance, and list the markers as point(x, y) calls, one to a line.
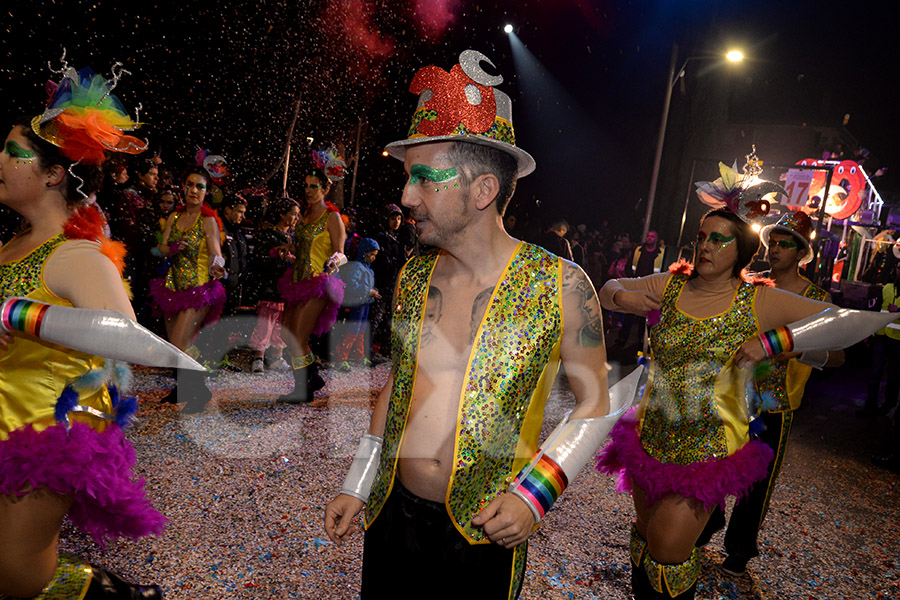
point(83, 119)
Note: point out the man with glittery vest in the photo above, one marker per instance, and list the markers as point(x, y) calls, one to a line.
point(450, 474)
point(781, 390)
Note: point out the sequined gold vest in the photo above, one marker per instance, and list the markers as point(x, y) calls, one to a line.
point(788, 378)
point(511, 369)
point(693, 407)
point(190, 267)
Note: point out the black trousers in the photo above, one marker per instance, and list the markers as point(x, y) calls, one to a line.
point(748, 514)
point(413, 550)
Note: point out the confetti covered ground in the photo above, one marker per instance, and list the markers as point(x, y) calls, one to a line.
point(244, 485)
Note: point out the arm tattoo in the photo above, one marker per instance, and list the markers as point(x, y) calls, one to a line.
point(590, 334)
point(478, 308)
point(434, 306)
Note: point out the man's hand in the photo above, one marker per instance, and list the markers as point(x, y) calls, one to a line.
point(638, 302)
point(507, 521)
point(339, 515)
point(750, 353)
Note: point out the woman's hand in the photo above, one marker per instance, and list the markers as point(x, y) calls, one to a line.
point(750, 353)
point(217, 268)
point(638, 302)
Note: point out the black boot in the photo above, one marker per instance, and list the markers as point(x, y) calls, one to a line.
point(192, 391)
point(307, 381)
point(107, 585)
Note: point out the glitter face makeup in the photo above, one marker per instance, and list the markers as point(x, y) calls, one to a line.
point(419, 173)
point(718, 240)
point(199, 185)
point(785, 244)
point(15, 150)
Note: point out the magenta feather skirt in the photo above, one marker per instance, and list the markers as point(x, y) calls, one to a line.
point(172, 302)
point(94, 468)
point(325, 286)
point(709, 482)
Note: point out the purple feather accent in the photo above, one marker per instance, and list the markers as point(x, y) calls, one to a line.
point(325, 286)
point(64, 404)
point(172, 302)
point(708, 482)
point(94, 468)
point(125, 411)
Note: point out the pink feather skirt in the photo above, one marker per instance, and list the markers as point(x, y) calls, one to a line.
point(93, 468)
point(708, 482)
point(172, 302)
point(329, 287)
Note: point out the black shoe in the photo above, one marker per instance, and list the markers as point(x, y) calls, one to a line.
point(734, 566)
point(171, 397)
point(193, 391)
point(300, 394)
point(106, 585)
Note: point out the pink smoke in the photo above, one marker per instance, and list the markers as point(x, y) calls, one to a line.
point(352, 21)
point(432, 18)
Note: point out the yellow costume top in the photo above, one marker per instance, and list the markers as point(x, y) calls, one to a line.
point(190, 267)
point(313, 247)
point(34, 373)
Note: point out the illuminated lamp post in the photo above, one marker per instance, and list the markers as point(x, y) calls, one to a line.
point(733, 56)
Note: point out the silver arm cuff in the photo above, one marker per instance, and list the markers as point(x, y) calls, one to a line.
point(836, 328)
point(361, 475)
point(814, 358)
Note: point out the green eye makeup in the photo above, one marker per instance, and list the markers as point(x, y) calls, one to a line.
point(199, 186)
point(419, 173)
point(716, 239)
point(16, 151)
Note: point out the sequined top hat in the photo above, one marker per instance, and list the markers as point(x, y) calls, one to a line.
point(462, 105)
point(797, 224)
point(743, 193)
point(83, 119)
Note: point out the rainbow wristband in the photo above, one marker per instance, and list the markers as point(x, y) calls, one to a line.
point(23, 315)
point(778, 340)
point(541, 486)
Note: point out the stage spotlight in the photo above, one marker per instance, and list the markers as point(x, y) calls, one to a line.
point(384, 153)
point(735, 56)
point(508, 28)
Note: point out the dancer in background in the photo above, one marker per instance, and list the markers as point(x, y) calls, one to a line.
point(312, 291)
point(190, 295)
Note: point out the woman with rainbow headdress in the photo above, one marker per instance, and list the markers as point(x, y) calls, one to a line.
point(190, 294)
point(62, 450)
point(311, 289)
point(690, 442)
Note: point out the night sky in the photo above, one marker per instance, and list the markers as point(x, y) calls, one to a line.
point(225, 75)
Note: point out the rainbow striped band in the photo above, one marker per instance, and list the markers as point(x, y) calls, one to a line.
point(23, 315)
point(778, 340)
point(542, 485)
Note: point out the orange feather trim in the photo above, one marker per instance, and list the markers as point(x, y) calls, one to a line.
point(85, 223)
point(114, 251)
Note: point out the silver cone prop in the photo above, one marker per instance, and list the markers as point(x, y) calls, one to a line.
point(575, 441)
point(105, 333)
point(835, 328)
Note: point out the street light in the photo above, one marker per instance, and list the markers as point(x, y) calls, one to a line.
point(732, 56)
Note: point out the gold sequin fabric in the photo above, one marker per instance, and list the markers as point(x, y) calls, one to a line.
point(775, 383)
point(682, 424)
point(406, 326)
point(521, 327)
point(185, 272)
point(304, 236)
point(512, 350)
point(70, 580)
point(21, 277)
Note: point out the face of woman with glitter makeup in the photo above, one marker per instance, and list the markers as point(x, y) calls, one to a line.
point(21, 177)
point(315, 189)
point(716, 249)
point(194, 189)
